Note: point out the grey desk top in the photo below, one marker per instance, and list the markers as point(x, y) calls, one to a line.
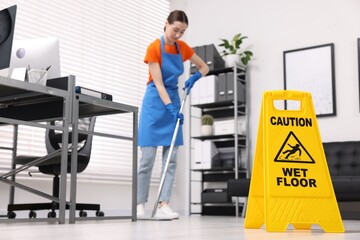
point(30, 102)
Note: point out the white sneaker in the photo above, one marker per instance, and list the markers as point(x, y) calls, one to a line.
point(165, 212)
point(140, 210)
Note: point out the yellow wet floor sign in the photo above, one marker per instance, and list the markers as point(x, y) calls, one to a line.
point(290, 182)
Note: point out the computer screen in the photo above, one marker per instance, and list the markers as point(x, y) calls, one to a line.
point(7, 25)
point(39, 53)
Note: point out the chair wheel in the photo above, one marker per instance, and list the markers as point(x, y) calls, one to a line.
point(32, 214)
point(82, 213)
point(100, 214)
point(51, 215)
point(11, 215)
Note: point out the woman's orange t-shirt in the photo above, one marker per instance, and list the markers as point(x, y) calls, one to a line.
point(153, 53)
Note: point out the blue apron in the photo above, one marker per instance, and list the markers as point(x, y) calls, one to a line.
point(156, 126)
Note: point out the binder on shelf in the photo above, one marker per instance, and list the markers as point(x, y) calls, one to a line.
point(192, 66)
point(196, 189)
point(93, 93)
point(209, 152)
point(213, 58)
point(211, 85)
point(195, 93)
point(205, 91)
point(202, 92)
point(230, 86)
point(204, 153)
point(201, 52)
point(221, 91)
point(197, 160)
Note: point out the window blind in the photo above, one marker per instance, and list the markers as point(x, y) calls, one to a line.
point(103, 44)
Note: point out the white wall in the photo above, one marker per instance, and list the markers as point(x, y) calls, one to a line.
point(275, 26)
point(279, 25)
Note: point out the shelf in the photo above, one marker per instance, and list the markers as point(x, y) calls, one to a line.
point(223, 204)
point(222, 170)
point(221, 143)
point(217, 202)
point(222, 109)
point(224, 113)
point(220, 175)
point(218, 137)
point(225, 70)
point(226, 103)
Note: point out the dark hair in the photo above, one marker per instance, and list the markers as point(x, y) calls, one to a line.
point(177, 15)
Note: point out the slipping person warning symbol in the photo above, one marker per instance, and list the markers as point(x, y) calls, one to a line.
point(291, 151)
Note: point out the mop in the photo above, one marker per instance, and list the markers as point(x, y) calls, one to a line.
point(166, 169)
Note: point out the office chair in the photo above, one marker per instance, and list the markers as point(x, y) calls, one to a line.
point(52, 166)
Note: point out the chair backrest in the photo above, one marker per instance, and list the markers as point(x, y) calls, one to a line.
point(53, 140)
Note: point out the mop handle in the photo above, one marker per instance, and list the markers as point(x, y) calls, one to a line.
point(168, 159)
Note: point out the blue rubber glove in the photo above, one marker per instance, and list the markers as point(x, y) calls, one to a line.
point(191, 81)
point(174, 113)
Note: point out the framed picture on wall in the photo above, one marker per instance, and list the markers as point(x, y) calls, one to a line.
point(312, 70)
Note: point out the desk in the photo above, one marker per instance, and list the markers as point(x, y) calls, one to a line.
point(75, 106)
point(22, 103)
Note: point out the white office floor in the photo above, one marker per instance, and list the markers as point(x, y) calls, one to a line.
point(187, 228)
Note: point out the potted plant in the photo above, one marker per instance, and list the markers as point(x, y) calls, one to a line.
point(207, 128)
point(232, 53)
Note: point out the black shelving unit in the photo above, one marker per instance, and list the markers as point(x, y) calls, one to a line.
point(214, 200)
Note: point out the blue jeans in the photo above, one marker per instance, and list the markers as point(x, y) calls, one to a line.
point(145, 169)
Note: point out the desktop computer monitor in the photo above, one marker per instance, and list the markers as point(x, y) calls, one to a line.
point(7, 25)
point(39, 53)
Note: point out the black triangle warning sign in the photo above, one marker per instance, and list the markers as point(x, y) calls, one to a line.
point(293, 151)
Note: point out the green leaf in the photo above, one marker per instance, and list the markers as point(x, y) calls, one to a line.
point(227, 45)
point(244, 61)
point(236, 37)
point(238, 43)
point(248, 53)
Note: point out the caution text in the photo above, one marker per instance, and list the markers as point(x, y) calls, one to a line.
point(291, 121)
